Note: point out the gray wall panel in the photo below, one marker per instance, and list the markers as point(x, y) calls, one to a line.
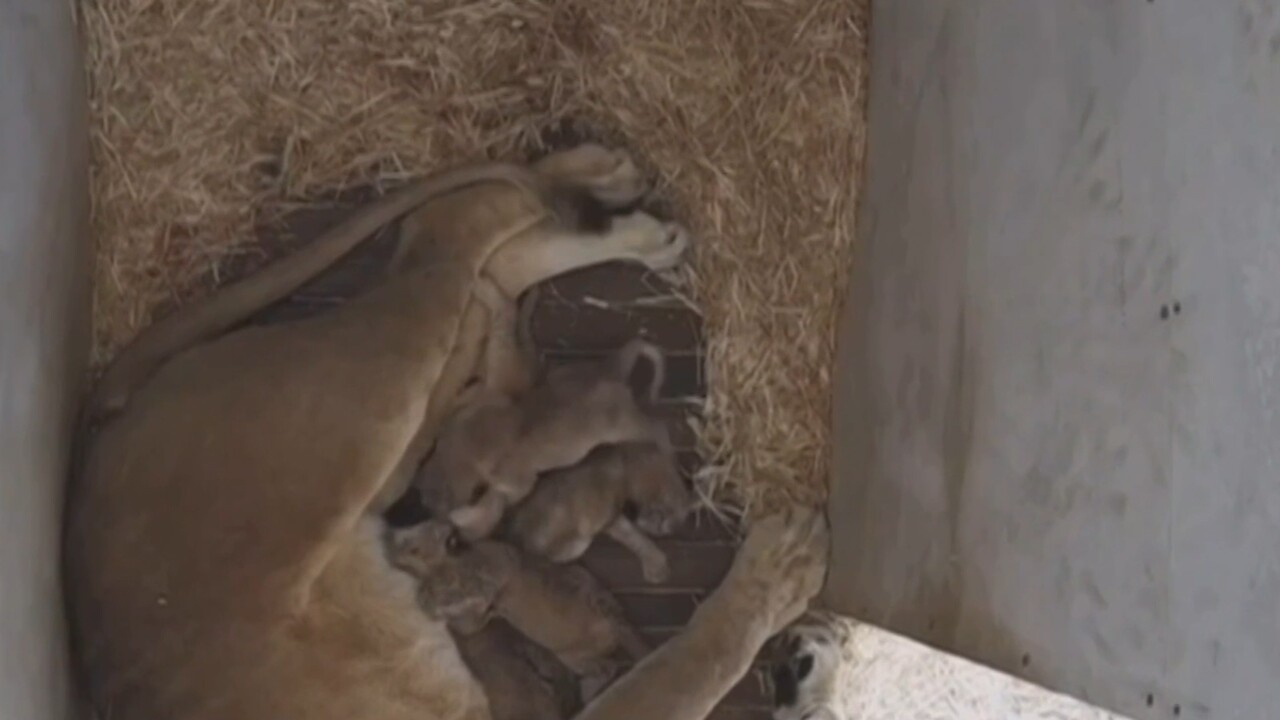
point(1058, 416)
point(44, 315)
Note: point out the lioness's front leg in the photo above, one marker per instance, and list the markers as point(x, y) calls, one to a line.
point(778, 570)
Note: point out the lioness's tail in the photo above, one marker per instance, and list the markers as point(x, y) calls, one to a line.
point(627, 357)
point(237, 302)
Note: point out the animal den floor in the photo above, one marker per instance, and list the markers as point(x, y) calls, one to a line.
point(579, 317)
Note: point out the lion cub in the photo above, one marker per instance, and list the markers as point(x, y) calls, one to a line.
point(488, 457)
point(562, 608)
point(520, 681)
point(630, 491)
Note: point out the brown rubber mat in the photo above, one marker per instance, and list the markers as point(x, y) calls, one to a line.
point(582, 315)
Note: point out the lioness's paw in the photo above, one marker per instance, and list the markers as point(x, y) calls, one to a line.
point(784, 561)
point(641, 237)
point(675, 241)
point(660, 246)
point(806, 674)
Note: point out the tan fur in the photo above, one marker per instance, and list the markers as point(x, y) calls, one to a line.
point(510, 355)
point(561, 608)
point(501, 660)
point(215, 510)
point(490, 454)
point(224, 549)
point(569, 507)
point(236, 302)
point(565, 609)
point(611, 177)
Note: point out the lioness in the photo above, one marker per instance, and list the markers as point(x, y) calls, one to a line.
point(224, 545)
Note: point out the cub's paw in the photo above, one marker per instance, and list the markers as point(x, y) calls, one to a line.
point(806, 674)
point(782, 564)
point(656, 569)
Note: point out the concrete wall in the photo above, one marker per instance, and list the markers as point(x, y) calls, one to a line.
point(1058, 413)
point(44, 314)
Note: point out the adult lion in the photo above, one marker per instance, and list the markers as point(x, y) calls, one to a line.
point(225, 549)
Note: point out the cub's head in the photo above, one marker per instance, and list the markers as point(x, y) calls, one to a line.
point(806, 673)
point(418, 548)
point(463, 588)
point(661, 497)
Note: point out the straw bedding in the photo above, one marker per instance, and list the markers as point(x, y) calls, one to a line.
point(217, 117)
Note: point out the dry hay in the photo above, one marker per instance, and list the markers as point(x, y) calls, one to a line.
point(213, 117)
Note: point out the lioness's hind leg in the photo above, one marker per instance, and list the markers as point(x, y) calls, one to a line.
point(547, 251)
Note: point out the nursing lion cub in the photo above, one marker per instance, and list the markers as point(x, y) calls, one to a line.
point(224, 547)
